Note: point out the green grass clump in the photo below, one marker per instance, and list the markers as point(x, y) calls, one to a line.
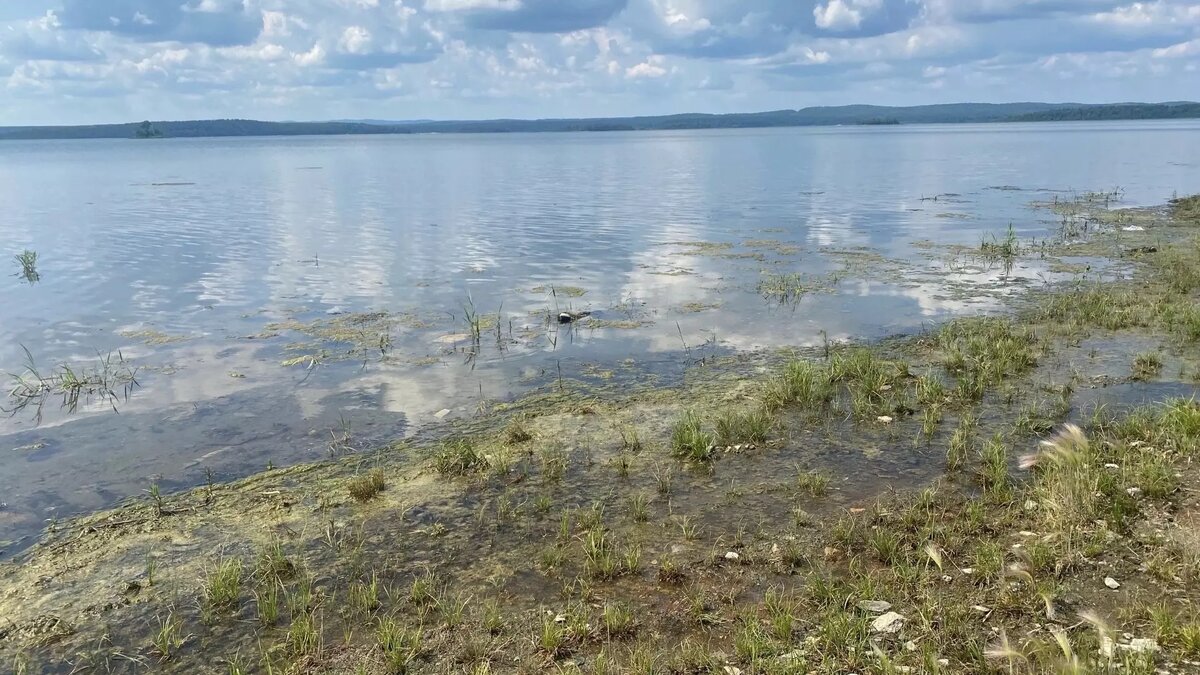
point(800, 382)
point(689, 440)
point(459, 458)
point(1147, 365)
point(982, 352)
point(751, 426)
point(224, 584)
point(365, 487)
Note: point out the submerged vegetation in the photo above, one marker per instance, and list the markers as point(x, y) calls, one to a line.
point(947, 502)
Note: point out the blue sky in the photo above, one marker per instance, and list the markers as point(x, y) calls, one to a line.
point(81, 61)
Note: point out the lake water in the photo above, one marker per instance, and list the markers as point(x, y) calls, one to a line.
point(208, 264)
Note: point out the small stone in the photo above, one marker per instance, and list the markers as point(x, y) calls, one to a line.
point(910, 646)
point(1141, 645)
point(732, 555)
point(1112, 583)
point(1027, 533)
point(1134, 492)
point(1112, 466)
point(874, 606)
point(981, 609)
point(559, 618)
point(884, 419)
point(441, 413)
point(947, 578)
point(943, 662)
point(733, 670)
point(1106, 647)
point(888, 623)
point(968, 570)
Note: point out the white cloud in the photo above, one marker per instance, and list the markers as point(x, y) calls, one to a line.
point(355, 40)
point(842, 15)
point(650, 68)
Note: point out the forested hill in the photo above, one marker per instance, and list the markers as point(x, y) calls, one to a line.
point(847, 115)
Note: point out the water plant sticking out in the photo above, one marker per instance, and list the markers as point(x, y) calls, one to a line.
point(28, 261)
point(101, 382)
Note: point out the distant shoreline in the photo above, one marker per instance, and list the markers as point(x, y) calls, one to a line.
point(851, 115)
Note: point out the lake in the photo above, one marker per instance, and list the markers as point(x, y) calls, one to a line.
point(280, 299)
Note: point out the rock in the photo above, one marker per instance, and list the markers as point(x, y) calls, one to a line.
point(884, 419)
point(874, 606)
point(1106, 647)
point(891, 622)
point(732, 555)
point(968, 570)
point(1112, 583)
point(947, 578)
point(441, 413)
point(1141, 645)
point(559, 618)
point(981, 609)
point(910, 646)
point(733, 670)
point(1110, 465)
point(1134, 492)
point(943, 662)
point(570, 317)
point(1133, 228)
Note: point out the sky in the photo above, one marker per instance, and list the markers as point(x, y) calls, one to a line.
point(91, 61)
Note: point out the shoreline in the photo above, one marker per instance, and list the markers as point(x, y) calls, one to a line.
point(758, 524)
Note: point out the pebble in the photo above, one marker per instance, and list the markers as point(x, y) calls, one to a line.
point(884, 419)
point(1134, 492)
point(891, 622)
point(441, 413)
point(732, 555)
point(1112, 583)
point(875, 606)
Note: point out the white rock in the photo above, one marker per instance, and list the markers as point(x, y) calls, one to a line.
point(1133, 228)
point(1140, 645)
point(968, 570)
point(947, 578)
point(1112, 583)
point(943, 662)
point(733, 670)
point(884, 419)
point(874, 606)
point(1106, 647)
point(732, 555)
point(981, 609)
point(559, 618)
point(1134, 492)
point(1112, 466)
point(910, 646)
point(888, 623)
point(441, 413)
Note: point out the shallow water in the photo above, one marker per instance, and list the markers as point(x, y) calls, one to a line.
point(198, 259)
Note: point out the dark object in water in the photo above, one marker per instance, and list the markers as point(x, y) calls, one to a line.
point(1139, 250)
point(571, 317)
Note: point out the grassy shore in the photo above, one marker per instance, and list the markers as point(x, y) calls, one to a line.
point(1003, 494)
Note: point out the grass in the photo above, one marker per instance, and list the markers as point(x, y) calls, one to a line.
point(750, 426)
point(814, 483)
point(459, 458)
point(223, 584)
point(689, 440)
point(28, 262)
point(108, 382)
point(1147, 366)
point(787, 288)
point(365, 487)
point(169, 636)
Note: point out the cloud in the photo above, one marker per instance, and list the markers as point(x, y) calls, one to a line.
point(321, 59)
point(212, 22)
point(537, 16)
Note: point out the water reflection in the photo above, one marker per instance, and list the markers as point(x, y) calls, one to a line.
point(181, 254)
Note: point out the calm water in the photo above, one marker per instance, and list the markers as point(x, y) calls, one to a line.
point(187, 255)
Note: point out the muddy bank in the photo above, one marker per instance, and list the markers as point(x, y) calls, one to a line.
point(757, 518)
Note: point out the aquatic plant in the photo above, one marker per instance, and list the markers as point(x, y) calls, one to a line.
point(73, 385)
point(28, 261)
point(689, 440)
